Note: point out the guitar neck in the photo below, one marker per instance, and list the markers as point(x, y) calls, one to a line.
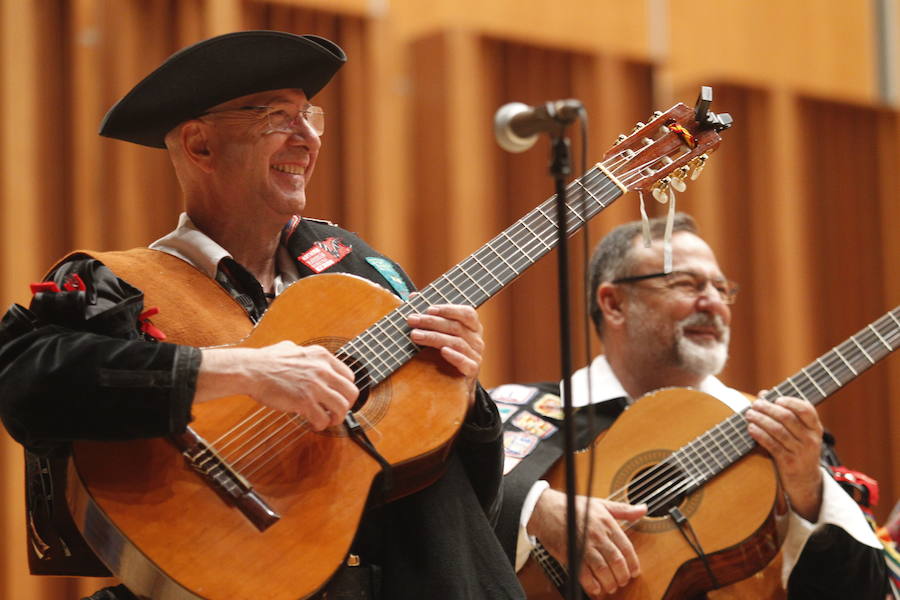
point(722, 445)
point(833, 370)
point(385, 346)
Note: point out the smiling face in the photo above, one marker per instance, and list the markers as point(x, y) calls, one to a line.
point(258, 172)
point(673, 327)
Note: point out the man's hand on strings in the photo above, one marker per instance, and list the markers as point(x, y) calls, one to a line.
point(305, 380)
point(456, 331)
point(789, 428)
point(610, 560)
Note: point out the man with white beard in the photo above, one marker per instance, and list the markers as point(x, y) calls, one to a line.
point(663, 329)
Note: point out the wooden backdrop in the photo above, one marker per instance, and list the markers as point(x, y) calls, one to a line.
point(802, 202)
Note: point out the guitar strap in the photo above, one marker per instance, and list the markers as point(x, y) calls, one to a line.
point(589, 422)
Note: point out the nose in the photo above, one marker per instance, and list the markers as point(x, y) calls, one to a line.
point(711, 301)
point(302, 134)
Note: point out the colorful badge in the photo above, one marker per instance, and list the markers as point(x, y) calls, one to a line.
point(506, 411)
point(518, 444)
point(513, 393)
point(550, 406)
point(534, 425)
point(387, 270)
point(325, 253)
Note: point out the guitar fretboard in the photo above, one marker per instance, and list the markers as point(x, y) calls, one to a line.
point(722, 445)
point(385, 346)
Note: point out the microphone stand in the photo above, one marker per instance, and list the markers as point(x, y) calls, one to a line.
point(560, 169)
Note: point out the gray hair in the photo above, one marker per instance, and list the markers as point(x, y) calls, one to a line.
point(612, 258)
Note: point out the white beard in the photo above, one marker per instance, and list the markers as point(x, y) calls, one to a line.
point(702, 359)
point(665, 343)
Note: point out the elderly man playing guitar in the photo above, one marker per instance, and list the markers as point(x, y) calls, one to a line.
point(84, 367)
point(671, 330)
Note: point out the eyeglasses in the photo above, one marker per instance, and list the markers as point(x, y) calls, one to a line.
point(690, 284)
point(284, 117)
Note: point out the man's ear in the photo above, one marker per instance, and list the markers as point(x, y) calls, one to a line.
point(195, 143)
point(610, 299)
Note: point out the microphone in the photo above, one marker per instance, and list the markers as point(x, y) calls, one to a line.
point(517, 125)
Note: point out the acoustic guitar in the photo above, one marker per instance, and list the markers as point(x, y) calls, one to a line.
point(250, 503)
point(711, 492)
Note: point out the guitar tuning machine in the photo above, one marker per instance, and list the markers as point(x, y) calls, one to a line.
point(638, 125)
point(662, 191)
point(621, 138)
point(696, 165)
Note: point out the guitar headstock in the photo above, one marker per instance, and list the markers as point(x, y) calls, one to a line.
point(673, 146)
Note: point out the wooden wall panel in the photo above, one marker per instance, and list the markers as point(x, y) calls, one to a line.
point(800, 203)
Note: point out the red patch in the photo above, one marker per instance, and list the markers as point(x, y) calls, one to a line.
point(325, 253)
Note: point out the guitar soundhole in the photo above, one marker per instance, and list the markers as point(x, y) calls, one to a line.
point(650, 477)
point(372, 403)
point(659, 486)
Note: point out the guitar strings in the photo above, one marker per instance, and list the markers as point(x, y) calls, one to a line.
point(588, 179)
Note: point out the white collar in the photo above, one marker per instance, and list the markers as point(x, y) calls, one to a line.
point(198, 249)
point(605, 386)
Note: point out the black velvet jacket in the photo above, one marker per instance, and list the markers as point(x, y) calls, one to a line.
point(78, 365)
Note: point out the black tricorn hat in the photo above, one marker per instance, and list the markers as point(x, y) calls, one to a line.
point(216, 70)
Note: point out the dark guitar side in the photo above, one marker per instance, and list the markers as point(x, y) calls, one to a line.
point(732, 514)
point(173, 522)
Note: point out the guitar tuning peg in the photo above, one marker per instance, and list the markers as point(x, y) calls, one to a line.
point(621, 138)
point(660, 190)
point(696, 166)
point(678, 184)
point(638, 125)
point(656, 114)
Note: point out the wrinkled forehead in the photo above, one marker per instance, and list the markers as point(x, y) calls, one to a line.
point(689, 253)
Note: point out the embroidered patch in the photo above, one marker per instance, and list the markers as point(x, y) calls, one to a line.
point(518, 444)
point(513, 393)
point(325, 253)
point(387, 270)
point(549, 406)
point(534, 425)
point(506, 411)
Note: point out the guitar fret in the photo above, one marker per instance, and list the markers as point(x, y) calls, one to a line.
point(531, 231)
point(830, 374)
point(486, 270)
point(475, 281)
point(881, 339)
point(841, 356)
point(813, 381)
point(677, 455)
point(591, 194)
point(863, 350)
point(796, 389)
point(506, 262)
point(513, 243)
point(461, 293)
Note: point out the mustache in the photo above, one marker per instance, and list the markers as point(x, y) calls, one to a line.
point(705, 320)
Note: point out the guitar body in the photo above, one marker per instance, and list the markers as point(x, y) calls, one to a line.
point(168, 535)
point(732, 515)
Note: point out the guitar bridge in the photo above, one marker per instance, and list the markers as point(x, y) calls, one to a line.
point(226, 482)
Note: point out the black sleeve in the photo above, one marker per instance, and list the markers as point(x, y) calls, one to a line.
point(480, 446)
point(833, 565)
point(77, 365)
